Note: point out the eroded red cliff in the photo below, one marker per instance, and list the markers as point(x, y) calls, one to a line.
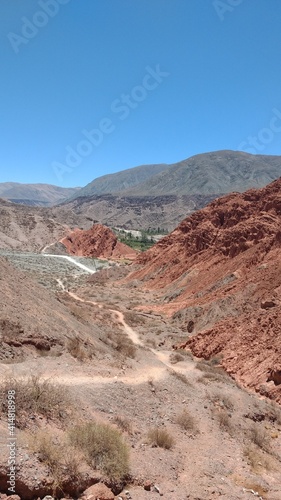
point(220, 274)
point(99, 241)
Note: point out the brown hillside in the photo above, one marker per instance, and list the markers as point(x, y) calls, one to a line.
point(220, 272)
point(29, 228)
point(27, 329)
point(99, 241)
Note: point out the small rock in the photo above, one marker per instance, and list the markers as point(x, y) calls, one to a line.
point(267, 304)
point(147, 485)
point(156, 488)
point(98, 492)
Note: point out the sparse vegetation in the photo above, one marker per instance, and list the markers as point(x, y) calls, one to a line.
point(212, 372)
point(175, 357)
point(187, 422)
point(76, 348)
point(224, 420)
point(260, 437)
point(103, 447)
point(160, 438)
point(134, 319)
point(274, 412)
point(256, 458)
point(63, 460)
point(223, 400)
point(180, 376)
point(36, 397)
point(124, 345)
point(123, 423)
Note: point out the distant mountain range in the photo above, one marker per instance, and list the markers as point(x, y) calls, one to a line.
point(121, 181)
point(204, 174)
point(44, 195)
point(160, 196)
point(151, 196)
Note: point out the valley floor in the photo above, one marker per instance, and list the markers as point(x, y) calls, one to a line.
point(224, 441)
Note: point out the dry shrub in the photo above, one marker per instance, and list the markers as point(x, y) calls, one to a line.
point(259, 436)
point(103, 447)
point(76, 348)
point(124, 345)
point(256, 458)
point(222, 399)
point(211, 369)
point(274, 412)
point(152, 343)
point(62, 460)
point(186, 353)
point(48, 449)
point(134, 319)
point(35, 396)
point(212, 372)
point(175, 357)
point(123, 423)
point(224, 420)
point(160, 438)
point(180, 376)
point(187, 422)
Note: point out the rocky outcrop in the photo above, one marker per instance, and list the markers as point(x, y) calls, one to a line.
point(220, 271)
point(99, 241)
point(98, 492)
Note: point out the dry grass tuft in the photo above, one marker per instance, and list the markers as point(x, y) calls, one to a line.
point(134, 319)
point(175, 357)
point(223, 400)
point(256, 458)
point(62, 459)
point(224, 421)
point(123, 344)
point(77, 349)
point(160, 438)
point(180, 376)
point(187, 422)
point(259, 436)
point(34, 397)
point(123, 423)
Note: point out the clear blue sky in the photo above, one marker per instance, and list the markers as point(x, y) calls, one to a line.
point(71, 66)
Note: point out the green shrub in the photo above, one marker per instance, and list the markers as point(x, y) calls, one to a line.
point(104, 448)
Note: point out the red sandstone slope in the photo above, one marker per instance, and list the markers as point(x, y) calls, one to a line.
point(220, 272)
point(99, 241)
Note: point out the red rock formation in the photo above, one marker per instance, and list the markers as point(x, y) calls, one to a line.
point(99, 241)
point(220, 270)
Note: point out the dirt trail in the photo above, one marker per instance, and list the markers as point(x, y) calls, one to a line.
point(141, 374)
point(162, 356)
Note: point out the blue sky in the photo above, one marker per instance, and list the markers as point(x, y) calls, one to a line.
point(90, 87)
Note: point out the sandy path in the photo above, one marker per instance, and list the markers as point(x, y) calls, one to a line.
point(162, 356)
point(141, 375)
